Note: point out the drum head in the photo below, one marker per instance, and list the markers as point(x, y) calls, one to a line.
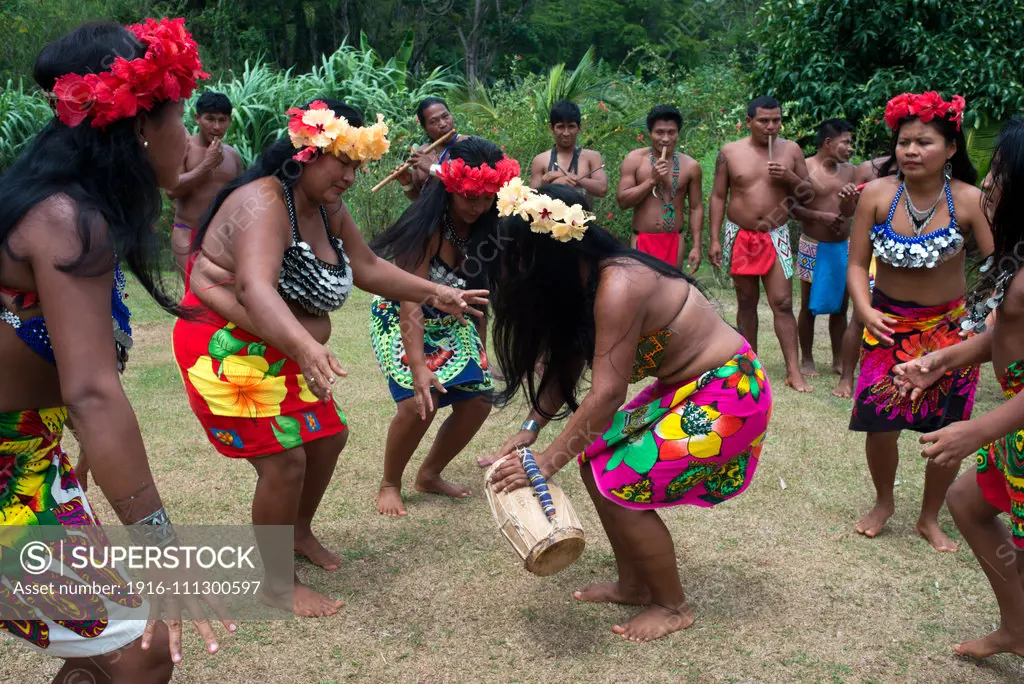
point(556, 553)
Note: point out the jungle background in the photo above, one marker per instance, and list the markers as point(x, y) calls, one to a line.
point(783, 587)
point(500, 65)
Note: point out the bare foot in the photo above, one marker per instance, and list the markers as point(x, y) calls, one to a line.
point(438, 485)
point(796, 381)
point(389, 501)
point(872, 523)
point(1000, 641)
point(655, 623)
point(305, 602)
point(310, 548)
point(935, 536)
point(613, 592)
point(844, 390)
point(808, 370)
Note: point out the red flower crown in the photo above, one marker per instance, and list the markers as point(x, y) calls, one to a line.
point(168, 71)
point(925, 107)
point(460, 178)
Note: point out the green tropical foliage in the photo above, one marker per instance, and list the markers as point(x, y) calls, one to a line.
point(849, 57)
point(21, 116)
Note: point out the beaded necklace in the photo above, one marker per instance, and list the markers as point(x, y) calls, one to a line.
point(668, 207)
point(461, 243)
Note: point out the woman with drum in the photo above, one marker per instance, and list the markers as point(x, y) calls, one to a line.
point(565, 289)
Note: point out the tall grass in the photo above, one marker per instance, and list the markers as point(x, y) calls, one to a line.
point(21, 116)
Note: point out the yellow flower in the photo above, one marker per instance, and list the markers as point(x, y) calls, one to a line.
point(244, 390)
point(511, 197)
point(362, 144)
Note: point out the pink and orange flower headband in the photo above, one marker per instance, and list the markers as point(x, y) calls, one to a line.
point(318, 129)
point(925, 106)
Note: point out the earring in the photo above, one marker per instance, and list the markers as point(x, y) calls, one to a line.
point(145, 144)
point(947, 170)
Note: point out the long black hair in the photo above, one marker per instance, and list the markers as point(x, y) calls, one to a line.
point(544, 308)
point(104, 171)
point(275, 160)
point(1007, 174)
point(406, 241)
point(963, 169)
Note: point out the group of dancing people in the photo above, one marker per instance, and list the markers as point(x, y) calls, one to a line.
point(269, 252)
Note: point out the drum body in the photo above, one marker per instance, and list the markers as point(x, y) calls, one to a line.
point(546, 545)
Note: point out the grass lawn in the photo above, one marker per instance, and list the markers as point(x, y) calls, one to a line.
point(782, 586)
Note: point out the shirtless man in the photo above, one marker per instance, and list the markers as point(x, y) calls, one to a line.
point(822, 221)
point(436, 120)
point(864, 173)
point(566, 164)
point(762, 177)
point(208, 166)
point(656, 182)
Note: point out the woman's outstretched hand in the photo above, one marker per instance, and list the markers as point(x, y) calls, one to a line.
point(458, 302)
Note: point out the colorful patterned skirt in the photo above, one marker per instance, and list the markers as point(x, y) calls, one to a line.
point(249, 397)
point(919, 330)
point(696, 442)
point(38, 487)
point(454, 352)
point(1001, 463)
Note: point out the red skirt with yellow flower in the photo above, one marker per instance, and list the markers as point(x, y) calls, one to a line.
point(250, 398)
point(696, 442)
point(919, 330)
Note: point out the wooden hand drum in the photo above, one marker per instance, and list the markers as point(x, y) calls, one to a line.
point(538, 520)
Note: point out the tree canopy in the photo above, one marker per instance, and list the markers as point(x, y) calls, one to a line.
point(849, 57)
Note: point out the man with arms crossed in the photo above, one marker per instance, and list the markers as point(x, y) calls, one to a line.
point(565, 163)
point(656, 182)
point(762, 178)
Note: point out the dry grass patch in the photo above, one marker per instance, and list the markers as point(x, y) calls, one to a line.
point(782, 587)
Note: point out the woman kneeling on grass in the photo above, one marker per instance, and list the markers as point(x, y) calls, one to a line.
point(84, 195)
point(277, 253)
point(918, 296)
point(997, 438)
point(571, 292)
point(429, 358)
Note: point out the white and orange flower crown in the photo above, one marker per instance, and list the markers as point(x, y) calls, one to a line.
point(544, 214)
point(319, 129)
